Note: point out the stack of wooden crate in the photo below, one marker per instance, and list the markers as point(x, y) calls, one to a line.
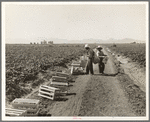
point(61, 79)
point(30, 105)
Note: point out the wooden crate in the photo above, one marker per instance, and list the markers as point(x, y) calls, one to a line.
point(59, 83)
point(15, 112)
point(76, 65)
point(27, 103)
point(62, 74)
point(63, 86)
point(31, 105)
point(48, 92)
point(77, 70)
point(59, 79)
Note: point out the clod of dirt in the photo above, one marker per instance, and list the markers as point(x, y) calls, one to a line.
point(120, 70)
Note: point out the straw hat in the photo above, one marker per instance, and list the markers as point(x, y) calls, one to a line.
point(99, 47)
point(87, 46)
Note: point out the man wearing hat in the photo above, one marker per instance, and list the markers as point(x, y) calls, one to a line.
point(101, 56)
point(90, 55)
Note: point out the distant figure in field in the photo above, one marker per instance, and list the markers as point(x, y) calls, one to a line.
point(101, 56)
point(90, 55)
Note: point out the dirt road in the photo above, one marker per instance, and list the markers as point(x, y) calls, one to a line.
point(106, 95)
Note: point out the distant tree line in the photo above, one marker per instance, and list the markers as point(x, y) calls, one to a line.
point(43, 42)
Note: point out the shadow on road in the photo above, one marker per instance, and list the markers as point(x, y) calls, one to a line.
point(64, 94)
point(70, 85)
point(105, 74)
point(71, 94)
point(61, 99)
point(110, 74)
point(71, 81)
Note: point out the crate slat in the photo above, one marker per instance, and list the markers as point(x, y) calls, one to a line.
point(49, 95)
point(62, 74)
point(49, 90)
point(61, 79)
point(26, 101)
point(52, 94)
point(48, 87)
point(28, 109)
point(59, 83)
point(76, 65)
point(10, 109)
point(46, 90)
point(58, 77)
point(14, 112)
point(52, 98)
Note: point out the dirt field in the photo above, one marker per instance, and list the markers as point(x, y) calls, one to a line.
point(112, 94)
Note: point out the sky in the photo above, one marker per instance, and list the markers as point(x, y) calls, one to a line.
point(33, 22)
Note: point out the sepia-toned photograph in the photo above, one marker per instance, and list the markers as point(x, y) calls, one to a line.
point(75, 61)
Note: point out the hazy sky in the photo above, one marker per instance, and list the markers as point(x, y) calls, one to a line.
point(74, 22)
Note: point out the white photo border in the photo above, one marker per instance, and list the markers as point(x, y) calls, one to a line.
point(4, 118)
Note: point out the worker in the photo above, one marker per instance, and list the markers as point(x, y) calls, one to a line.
point(90, 55)
point(101, 56)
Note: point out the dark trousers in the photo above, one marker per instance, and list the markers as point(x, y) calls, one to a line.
point(101, 67)
point(89, 67)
